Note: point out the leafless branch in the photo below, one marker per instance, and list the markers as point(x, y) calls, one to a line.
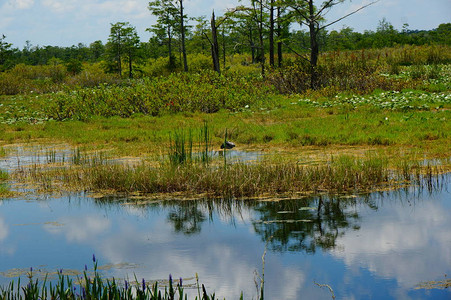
point(208, 39)
point(326, 5)
point(344, 17)
point(230, 13)
point(295, 52)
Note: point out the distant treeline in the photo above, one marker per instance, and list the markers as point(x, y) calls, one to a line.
point(231, 41)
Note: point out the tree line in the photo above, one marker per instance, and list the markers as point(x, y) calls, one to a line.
point(263, 29)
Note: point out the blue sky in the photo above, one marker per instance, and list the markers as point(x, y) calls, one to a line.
point(69, 22)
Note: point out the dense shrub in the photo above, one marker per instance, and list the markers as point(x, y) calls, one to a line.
point(362, 71)
point(23, 79)
point(204, 92)
point(91, 75)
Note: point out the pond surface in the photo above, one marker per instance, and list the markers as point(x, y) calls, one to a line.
point(377, 246)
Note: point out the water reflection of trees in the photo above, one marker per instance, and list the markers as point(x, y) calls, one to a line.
point(305, 225)
point(289, 225)
point(187, 220)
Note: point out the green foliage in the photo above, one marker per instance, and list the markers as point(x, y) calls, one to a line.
point(38, 79)
point(74, 66)
point(91, 75)
point(180, 152)
point(41, 79)
point(170, 22)
point(5, 52)
point(161, 67)
point(123, 45)
point(199, 62)
point(205, 92)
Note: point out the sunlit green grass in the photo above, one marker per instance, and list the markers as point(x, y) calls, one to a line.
point(4, 188)
point(227, 180)
point(293, 123)
point(129, 119)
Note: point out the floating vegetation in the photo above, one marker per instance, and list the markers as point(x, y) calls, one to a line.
point(440, 284)
point(398, 101)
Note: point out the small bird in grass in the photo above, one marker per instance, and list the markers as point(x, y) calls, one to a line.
point(227, 145)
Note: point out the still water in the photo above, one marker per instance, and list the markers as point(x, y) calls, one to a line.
point(378, 246)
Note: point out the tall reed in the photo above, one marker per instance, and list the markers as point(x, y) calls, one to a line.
point(205, 143)
point(179, 151)
point(181, 146)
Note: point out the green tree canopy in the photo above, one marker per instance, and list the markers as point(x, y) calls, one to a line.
point(5, 51)
point(123, 44)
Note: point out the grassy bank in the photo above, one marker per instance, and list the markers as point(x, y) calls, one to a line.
point(410, 119)
point(217, 179)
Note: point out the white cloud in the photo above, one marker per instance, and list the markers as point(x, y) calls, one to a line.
point(21, 4)
point(399, 246)
point(4, 231)
point(60, 6)
point(85, 229)
point(160, 252)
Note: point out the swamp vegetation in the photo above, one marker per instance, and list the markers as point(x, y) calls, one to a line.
point(378, 121)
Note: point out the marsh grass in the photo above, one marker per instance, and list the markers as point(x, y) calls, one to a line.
point(3, 152)
point(182, 146)
point(341, 174)
point(91, 285)
point(4, 187)
point(205, 143)
point(410, 118)
point(180, 150)
point(3, 175)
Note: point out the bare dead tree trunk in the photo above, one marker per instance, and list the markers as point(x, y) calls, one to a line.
point(279, 36)
point(252, 44)
point(130, 65)
point(271, 34)
point(182, 28)
point(214, 44)
point(260, 33)
point(223, 47)
point(119, 55)
point(171, 57)
point(314, 47)
point(311, 18)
